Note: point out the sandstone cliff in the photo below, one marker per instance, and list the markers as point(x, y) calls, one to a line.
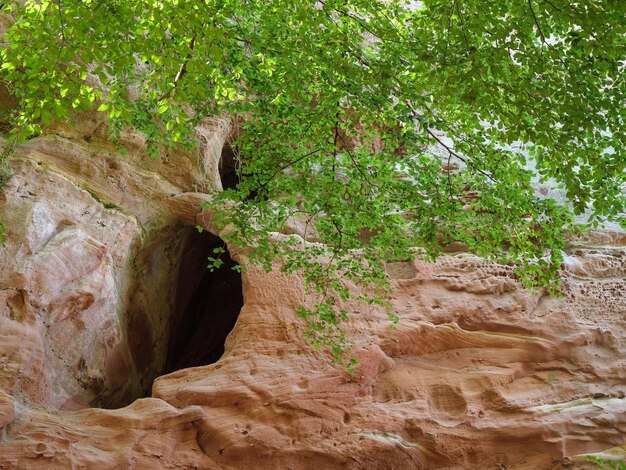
point(479, 373)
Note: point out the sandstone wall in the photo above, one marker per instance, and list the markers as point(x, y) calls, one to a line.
point(86, 274)
point(479, 373)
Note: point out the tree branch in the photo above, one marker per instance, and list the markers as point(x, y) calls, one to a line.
point(456, 155)
point(182, 71)
point(532, 10)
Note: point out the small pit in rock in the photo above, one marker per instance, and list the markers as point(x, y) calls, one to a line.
point(207, 305)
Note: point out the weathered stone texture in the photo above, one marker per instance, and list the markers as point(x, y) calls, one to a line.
point(479, 373)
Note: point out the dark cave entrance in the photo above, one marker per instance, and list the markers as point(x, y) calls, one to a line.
point(229, 167)
point(207, 305)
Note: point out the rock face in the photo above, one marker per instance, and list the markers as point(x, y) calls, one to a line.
point(86, 276)
point(479, 373)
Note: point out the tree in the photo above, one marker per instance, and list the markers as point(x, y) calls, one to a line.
point(342, 103)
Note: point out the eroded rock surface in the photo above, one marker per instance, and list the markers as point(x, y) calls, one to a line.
point(86, 275)
point(479, 373)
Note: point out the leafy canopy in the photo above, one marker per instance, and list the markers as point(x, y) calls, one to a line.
point(343, 104)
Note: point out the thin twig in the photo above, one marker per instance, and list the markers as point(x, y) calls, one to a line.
point(287, 165)
point(456, 155)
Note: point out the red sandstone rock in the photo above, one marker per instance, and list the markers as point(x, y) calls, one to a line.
point(479, 373)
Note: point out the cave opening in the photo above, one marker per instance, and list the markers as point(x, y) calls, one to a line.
point(229, 167)
point(207, 304)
